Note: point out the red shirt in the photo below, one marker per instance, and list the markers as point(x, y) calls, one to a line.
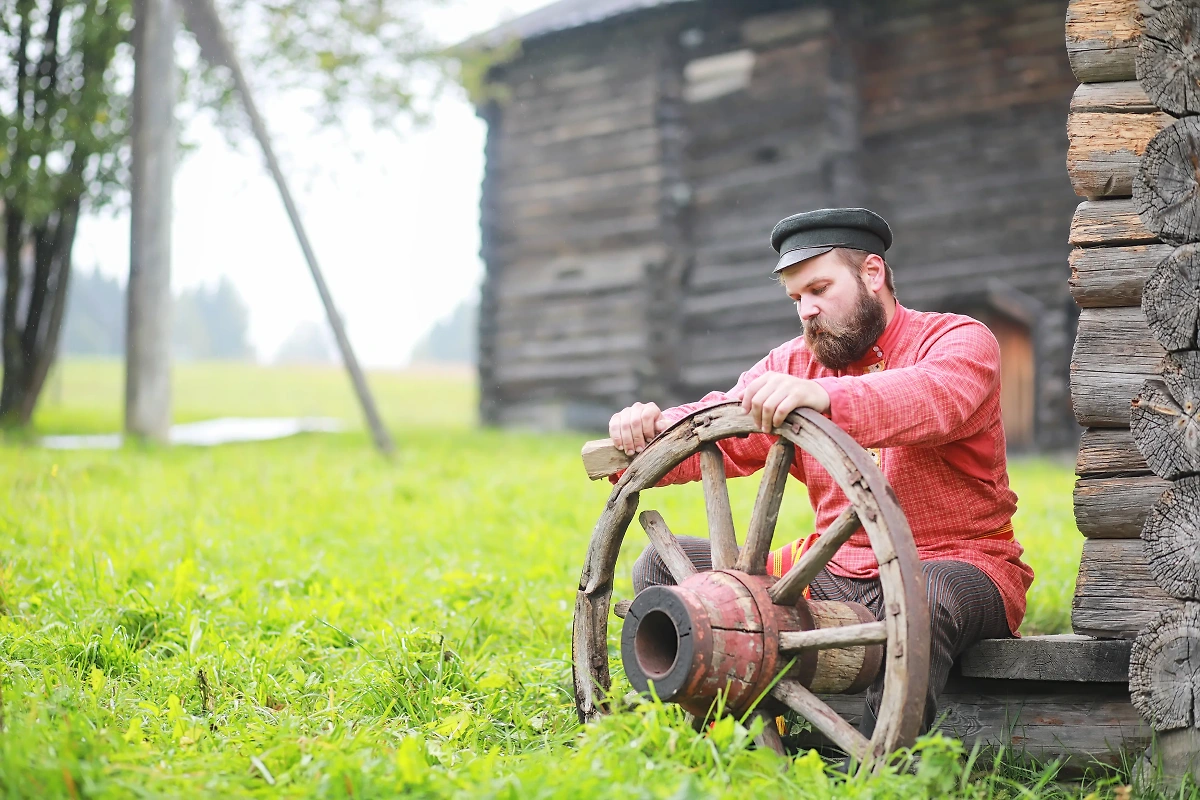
point(926, 402)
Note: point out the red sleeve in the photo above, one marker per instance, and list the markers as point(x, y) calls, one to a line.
point(743, 456)
point(931, 403)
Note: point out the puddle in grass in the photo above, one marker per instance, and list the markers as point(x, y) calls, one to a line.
point(225, 430)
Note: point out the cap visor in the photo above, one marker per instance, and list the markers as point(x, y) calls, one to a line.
point(792, 257)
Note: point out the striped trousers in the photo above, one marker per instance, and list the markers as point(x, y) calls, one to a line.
point(964, 607)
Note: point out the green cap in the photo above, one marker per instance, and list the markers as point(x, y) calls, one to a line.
point(812, 233)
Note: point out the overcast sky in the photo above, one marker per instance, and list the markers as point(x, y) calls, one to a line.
point(394, 219)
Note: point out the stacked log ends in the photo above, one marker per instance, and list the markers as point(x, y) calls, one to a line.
point(1172, 537)
point(1168, 56)
point(1166, 189)
point(1164, 669)
point(1171, 298)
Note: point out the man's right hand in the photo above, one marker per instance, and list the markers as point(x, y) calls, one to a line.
point(633, 427)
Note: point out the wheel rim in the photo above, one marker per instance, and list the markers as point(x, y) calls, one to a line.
point(905, 618)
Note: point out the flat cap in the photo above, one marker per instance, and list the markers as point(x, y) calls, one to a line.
point(803, 236)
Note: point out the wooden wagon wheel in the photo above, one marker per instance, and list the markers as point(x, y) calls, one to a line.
point(904, 628)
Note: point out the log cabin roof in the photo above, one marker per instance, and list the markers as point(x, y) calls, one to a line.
point(564, 15)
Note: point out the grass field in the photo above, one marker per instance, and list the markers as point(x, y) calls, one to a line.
point(302, 618)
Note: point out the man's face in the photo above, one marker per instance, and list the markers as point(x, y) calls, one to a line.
point(842, 317)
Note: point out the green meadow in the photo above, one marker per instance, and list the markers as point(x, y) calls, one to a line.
point(303, 618)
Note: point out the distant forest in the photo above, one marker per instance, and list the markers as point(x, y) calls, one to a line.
point(210, 322)
point(451, 339)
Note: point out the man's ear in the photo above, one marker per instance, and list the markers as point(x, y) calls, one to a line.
point(874, 272)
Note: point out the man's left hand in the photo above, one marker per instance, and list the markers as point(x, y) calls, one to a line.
point(774, 395)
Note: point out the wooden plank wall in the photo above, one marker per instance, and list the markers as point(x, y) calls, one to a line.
point(963, 108)
point(948, 120)
point(753, 157)
point(626, 213)
point(571, 230)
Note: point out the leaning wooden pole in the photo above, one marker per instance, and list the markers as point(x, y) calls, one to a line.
point(148, 299)
point(216, 48)
point(1133, 135)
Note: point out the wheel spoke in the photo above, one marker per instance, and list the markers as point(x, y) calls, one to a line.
point(753, 559)
point(792, 585)
point(831, 638)
point(680, 566)
point(792, 694)
point(716, 503)
point(769, 738)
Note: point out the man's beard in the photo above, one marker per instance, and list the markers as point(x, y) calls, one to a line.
point(838, 344)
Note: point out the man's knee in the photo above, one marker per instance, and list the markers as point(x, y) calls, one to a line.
point(648, 570)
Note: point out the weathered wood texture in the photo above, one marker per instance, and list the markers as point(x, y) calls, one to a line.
point(1116, 97)
point(1172, 538)
point(1116, 594)
point(629, 198)
point(602, 458)
point(1115, 507)
point(1114, 354)
point(721, 529)
point(1064, 657)
point(1102, 39)
point(791, 586)
point(740, 167)
point(1171, 298)
point(1081, 723)
point(921, 148)
point(573, 235)
point(1168, 57)
point(1166, 188)
point(1109, 452)
point(1164, 669)
point(1111, 277)
point(753, 558)
point(1163, 417)
point(1109, 223)
point(1105, 149)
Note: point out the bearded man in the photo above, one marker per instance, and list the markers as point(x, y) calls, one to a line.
point(921, 391)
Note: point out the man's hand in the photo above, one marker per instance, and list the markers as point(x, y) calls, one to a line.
point(774, 395)
point(633, 427)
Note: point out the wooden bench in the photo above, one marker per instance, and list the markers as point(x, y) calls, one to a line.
point(1041, 698)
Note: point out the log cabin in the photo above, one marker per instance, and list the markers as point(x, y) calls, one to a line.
point(640, 151)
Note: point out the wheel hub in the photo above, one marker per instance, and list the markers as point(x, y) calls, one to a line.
point(717, 634)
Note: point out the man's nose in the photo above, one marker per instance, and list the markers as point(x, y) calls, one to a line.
point(806, 310)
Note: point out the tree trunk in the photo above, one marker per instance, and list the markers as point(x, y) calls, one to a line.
point(34, 305)
point(148, 331)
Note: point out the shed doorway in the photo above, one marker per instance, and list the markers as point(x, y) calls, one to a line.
point(1017, 377)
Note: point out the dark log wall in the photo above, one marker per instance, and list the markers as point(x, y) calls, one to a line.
point(754, 156)
point(954, 113)
point(573, 233)
point(634, 177)
point(963, 108)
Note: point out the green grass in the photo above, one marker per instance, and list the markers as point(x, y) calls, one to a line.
point(302, 618)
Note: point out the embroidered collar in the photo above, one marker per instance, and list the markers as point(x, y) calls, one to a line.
point(876, 357)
